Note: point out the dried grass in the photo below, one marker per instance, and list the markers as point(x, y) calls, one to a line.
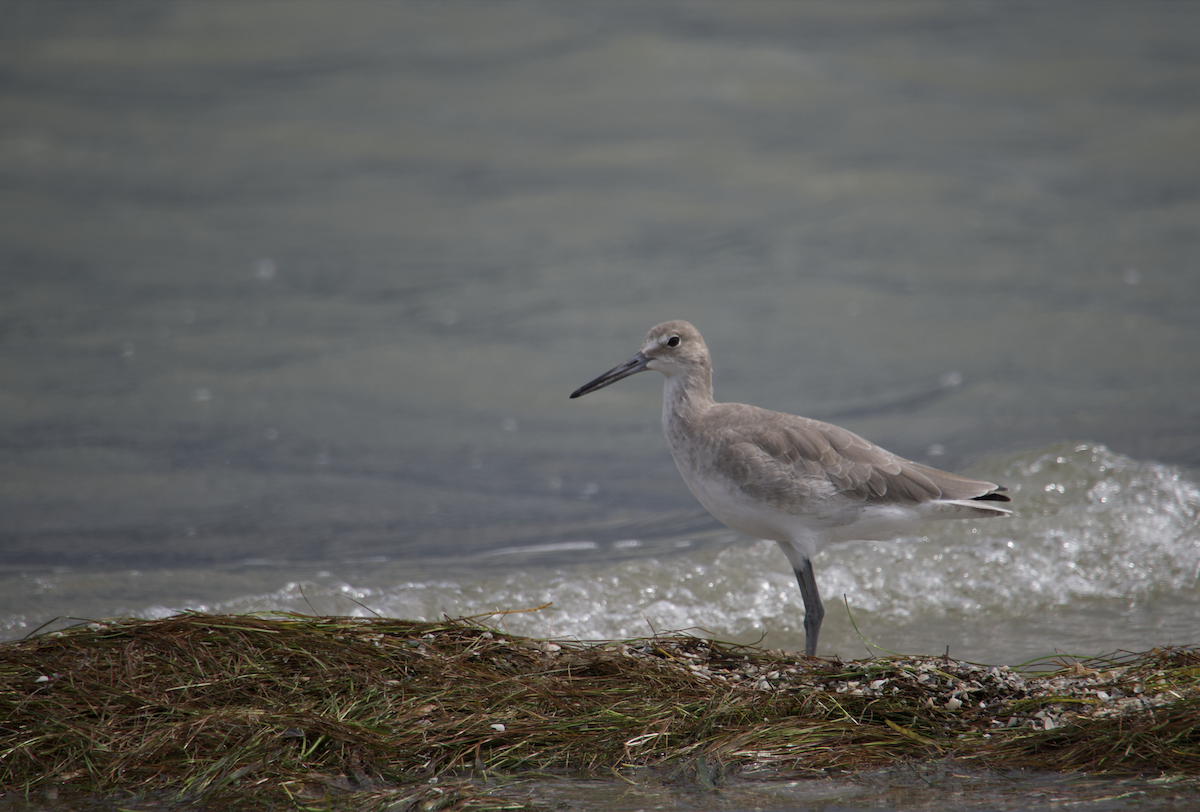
point(369, 714)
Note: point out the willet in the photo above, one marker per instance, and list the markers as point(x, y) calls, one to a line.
point(796, 481)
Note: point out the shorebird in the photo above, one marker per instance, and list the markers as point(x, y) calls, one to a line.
point(793, 480)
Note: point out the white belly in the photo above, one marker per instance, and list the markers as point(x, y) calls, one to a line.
point(838, 520)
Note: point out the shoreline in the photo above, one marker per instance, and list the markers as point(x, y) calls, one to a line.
point(270, 710)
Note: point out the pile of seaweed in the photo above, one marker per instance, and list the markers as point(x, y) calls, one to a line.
point(297, 711)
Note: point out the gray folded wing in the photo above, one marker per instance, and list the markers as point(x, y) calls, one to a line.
point(786, 460)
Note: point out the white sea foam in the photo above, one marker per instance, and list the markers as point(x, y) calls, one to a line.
point(1103, 553)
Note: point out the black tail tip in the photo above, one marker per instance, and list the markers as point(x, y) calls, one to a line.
point(994, 496)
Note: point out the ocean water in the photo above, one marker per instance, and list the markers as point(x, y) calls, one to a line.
point(1103, 554)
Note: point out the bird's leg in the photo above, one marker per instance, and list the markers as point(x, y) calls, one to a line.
point(814, 610)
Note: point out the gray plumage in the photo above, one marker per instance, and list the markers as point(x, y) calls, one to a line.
point(797, 481)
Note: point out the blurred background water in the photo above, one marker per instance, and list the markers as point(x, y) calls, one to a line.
point(292, 296)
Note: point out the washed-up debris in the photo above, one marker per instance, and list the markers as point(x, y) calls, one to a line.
point(377, 713)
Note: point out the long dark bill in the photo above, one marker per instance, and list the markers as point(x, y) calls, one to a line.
point(631, 367)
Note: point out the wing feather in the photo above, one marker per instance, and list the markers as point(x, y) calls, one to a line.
point(785, 459)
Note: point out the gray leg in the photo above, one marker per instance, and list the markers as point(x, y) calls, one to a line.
point(814, 610)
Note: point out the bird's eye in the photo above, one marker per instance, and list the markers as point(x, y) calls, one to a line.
point(673, 341)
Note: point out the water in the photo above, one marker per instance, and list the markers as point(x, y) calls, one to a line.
point(1103, 555)
point(915, 787)
point(292, 296)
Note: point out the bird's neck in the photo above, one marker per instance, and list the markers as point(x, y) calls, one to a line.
point(686, 397)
